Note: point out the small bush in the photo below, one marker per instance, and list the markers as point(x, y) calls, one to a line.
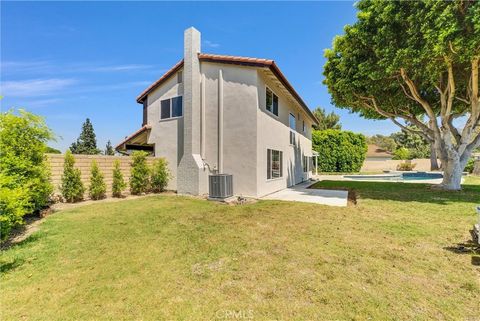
point(14, 204)
point(339, 151)
point(401, 153)
point(160, 175)
point(118, 184)
point(72, 187)
point(97, 188)
point(470, 165)
point(407, 167)
point(140, 173)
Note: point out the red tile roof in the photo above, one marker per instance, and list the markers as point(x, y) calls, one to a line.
point(135, 134)
point(237, 60)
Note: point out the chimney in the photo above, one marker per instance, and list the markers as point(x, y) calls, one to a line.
point(191, 175)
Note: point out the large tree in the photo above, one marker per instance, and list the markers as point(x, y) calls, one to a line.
point(414, 62)
point(87, 141)
point(326, 121)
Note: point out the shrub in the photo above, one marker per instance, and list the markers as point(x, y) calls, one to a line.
point(97, 186)
point(470, 165)
point(118, 184)
point(72, 187)
point(406, 166)
point(25, 175)
point(401, 153)
point(14, 204)
point(160, 175)
point(139, 177)
point(339, 151)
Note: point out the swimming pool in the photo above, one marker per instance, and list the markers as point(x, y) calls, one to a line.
point(398, 176)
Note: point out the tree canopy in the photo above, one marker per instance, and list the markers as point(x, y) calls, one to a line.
point(87, 141)
point(412, 60)
point(326, 121)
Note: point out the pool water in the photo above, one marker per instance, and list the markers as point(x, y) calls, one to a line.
point(413, 176)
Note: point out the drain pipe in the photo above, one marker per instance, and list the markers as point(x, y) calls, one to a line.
point(202, 118)
point(220, 121)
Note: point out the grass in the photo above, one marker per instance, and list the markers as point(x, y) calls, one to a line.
point(177, 258)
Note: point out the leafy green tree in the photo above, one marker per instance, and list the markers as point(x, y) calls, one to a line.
point(326, 121)
point(339, 151)
point(160, 175)
point(72, 187)
point(139, 173)
point(384, 142)
point(97, 188)
point(86, 142)
point(24, 173)
point(402, 153)
point(109, 149)
point(417, 146)
point(51, 150)
point(414, 62)
point(118, 184)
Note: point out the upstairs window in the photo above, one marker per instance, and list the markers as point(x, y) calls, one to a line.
point(304, 128)
point(180, 77)
point(271, 101)
point(145, 112)
point(292, 122)
point(171, 108)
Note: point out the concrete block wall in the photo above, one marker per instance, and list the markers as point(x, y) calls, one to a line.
point(84, 162)
point(381, 165)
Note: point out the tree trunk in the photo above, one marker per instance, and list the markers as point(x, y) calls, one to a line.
point(433, 158)
point(452, 174)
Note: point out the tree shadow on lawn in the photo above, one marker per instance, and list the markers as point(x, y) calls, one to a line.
point(405, 192)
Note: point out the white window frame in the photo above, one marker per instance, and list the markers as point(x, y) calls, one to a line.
point(271, 170)
point(171, 108)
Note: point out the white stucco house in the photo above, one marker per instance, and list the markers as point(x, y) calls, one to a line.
point(225, 114)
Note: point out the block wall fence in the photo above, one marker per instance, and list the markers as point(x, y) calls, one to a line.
point(381, 165)
point(83, 162)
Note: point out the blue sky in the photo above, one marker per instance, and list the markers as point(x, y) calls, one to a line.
point(71, 60)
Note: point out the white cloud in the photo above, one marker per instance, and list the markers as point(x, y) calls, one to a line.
point(42, 66)
point(34, 87)
point(211, 44)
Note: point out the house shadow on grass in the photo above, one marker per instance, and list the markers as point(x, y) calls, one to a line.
point(405, 192)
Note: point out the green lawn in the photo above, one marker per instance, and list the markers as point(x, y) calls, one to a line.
point(178, 258)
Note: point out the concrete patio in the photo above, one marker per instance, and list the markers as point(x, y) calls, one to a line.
point(301, 193)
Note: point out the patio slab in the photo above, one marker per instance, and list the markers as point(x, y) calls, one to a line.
point(301, 193)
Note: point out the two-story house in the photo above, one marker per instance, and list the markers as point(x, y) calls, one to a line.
point(225, 114)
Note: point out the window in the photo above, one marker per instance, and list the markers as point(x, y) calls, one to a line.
point(145, 112)
point(291, 121)
point(274, 164)
point(180, 77)
point(170, 108)
point(271, 101)
point(304, 129)
point(177, 106)
point(305, 164)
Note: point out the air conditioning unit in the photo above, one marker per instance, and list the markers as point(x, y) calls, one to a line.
point(220, 186)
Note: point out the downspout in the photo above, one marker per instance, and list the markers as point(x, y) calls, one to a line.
point(220, 121)
point(202, 119)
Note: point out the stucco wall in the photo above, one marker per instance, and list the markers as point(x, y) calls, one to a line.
point(381, 165)
point(84, 162)
point(166, 134)
point(274, 133)
point(239, 123)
